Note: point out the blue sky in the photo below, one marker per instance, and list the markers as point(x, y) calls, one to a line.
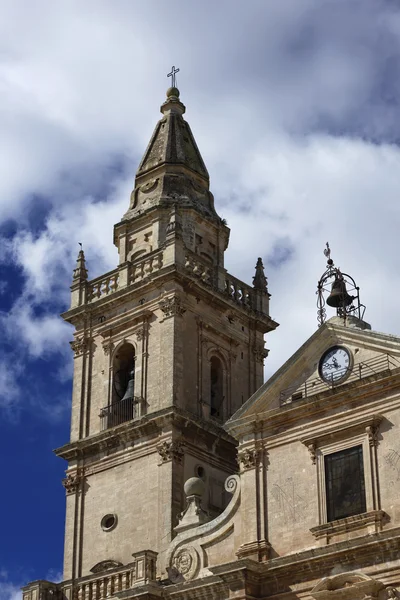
point(294, 106)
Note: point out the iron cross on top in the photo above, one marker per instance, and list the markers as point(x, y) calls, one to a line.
point(173, 75)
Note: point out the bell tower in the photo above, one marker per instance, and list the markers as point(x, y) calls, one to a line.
point(166, 347)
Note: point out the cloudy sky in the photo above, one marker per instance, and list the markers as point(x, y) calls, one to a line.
point(294, 105)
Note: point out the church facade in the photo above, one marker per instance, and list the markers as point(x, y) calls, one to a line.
point(189, 478)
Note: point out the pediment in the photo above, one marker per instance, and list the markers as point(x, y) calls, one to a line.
point(347, 586)
point(299, 378)
point(105, 565)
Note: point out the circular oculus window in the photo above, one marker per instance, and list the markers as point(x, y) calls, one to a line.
point(108, 522)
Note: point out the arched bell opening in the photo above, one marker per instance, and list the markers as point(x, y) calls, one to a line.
point(123, 405)
point(123, 371)
point(216, 388)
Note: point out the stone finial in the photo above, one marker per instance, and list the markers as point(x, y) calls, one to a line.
point(173, 103)
point(259, 280)
point(193, 515)
point(80, 271)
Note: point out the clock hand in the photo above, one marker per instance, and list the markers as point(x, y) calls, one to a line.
point(328, 366)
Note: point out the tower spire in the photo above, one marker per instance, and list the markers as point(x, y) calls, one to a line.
point(172, 170)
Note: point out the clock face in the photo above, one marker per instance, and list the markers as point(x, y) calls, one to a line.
point(334, 364)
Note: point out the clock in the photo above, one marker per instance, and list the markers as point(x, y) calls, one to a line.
point(335, 364)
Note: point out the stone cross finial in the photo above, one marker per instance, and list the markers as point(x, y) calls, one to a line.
point(259, 280)
point(173, 76)
point(80, 271)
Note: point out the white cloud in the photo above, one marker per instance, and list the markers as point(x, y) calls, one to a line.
point(265, 89)
point(8, 591)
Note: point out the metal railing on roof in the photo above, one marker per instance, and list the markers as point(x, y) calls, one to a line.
point(376, 366)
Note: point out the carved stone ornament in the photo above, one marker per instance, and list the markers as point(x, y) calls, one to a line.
point(350, 586)
point(248, 458)
point(105, 565)
point(171, 451)
point(372, 433)
point(142, 332)
point(172, 306)
point(72, 482)
point(79, 345)
point(108, 348)
point(186, 555)
point(260, 353)
point(186, 562)
point(312, 448)
point(150, 186)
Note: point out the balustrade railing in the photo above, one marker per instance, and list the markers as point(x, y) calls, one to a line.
point(104, 587)
point(199, 268)
point(103, 286)
point(99, 586)
point(110, 583)
point(141, 269)
point(238, 291)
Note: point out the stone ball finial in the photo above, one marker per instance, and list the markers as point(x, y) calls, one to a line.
point(172, 91)
point(194, 487)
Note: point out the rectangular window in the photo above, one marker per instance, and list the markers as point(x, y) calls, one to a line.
point(345, 486)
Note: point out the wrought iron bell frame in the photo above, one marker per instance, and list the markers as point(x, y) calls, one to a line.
point(356, 308)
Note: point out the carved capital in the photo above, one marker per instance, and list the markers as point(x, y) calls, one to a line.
point(260, 353)
point(142, 332)
point(108, 347)
point(171, 451)
point(79, 345)
point(248, 458)
point(312, 448)
point(372, 433)
point(72, 481)
point(172, 306)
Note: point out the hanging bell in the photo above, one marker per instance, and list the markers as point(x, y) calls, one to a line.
point(130, 390)
point(339, 298)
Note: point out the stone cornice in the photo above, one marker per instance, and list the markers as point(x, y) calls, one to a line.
point(375, 388)
point(157, 279)
point(315, 563)
point(151, 426)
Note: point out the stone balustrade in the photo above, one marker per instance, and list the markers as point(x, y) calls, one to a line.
point(141, 269)
point(98, 586)
point(103, 286)
point(238, 291)
point(198, 268)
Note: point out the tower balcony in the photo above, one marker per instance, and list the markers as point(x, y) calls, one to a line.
point(120, 412)
point(156, 263)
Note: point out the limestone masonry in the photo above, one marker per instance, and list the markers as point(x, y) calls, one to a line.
point(187, 477)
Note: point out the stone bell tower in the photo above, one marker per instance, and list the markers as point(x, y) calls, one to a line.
point(167, 346)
